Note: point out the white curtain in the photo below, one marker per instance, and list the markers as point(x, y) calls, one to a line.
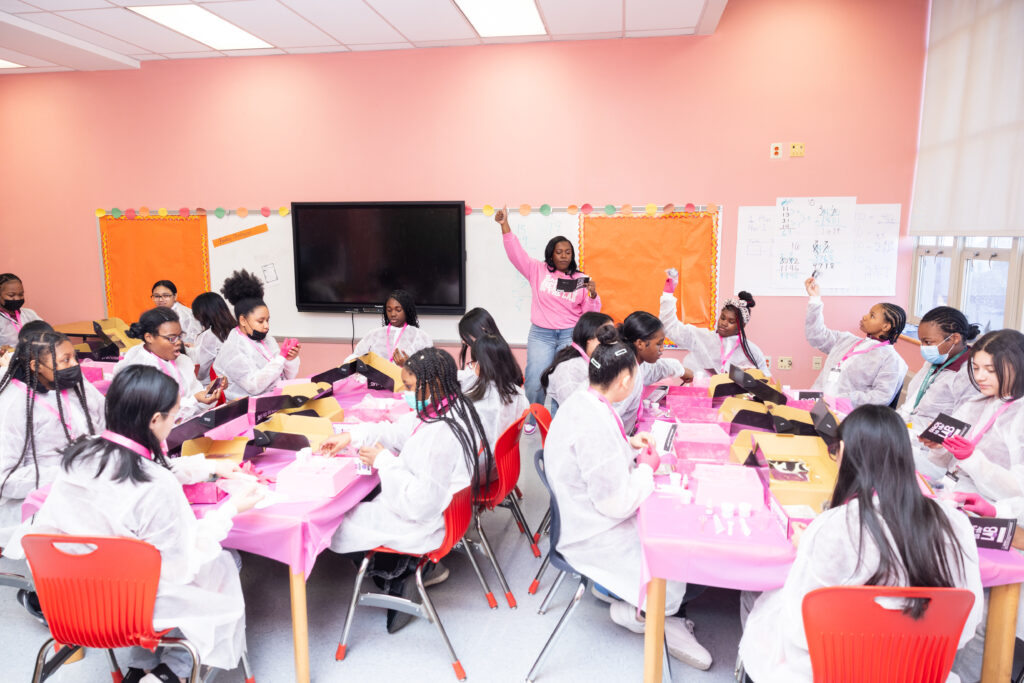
point(970, 162)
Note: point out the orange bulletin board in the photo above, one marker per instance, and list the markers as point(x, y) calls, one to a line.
point(139, 251)
point(627, 257)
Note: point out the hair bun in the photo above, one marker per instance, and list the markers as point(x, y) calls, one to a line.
point(608, 335)
point(241, 285)
point(135, 331)
point(748, 297)
point(972, 332)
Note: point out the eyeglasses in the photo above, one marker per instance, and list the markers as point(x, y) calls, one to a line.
point(173, 338)
point(161, 297)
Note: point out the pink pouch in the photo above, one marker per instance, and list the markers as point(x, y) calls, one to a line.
point(705, 442)
point(205, 492)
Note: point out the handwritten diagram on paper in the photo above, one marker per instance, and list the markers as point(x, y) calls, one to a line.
point(851, 247)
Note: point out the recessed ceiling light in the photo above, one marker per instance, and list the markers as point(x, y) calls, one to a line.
point(4, 64)
point(202, 25)
point(498, 18)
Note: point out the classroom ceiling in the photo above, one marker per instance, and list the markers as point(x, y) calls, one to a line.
point(92, 35)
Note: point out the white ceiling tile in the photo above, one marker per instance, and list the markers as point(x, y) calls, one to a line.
point(645, 15)
point(59, 23)
point(14, 6)
point(127, 25)
point(425, 20)
point(376, 47)
point(656, 33)
point(147, 57)
point(313, 50)
point(201, 54)
point(515, 39)
point(22, 58)
point(142, 3)
point(589, 36)
point(350, 22)
point(568, 17)
point(21, 35)
point(255, 53)
point(57, 5)
point(448, 43)
point(271, 21)
point(37, 70)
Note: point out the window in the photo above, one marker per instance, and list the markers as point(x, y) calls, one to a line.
point(979, 275)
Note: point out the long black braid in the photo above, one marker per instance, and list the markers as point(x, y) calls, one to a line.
point(742, 326)
point(897, 319)
point(34, 350)
point(437, 377)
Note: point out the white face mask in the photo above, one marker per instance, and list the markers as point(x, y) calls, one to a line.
point(931, 353)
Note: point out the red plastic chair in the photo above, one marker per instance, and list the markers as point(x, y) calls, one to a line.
point(854, 639)
point(457, 517)
point(101, 598)
point(543, 419)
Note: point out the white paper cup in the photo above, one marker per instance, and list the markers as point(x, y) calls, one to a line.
point(675, 478)
point(728, 509)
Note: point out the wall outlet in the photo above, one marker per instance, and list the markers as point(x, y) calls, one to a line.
point(796, 149)
point(816, 363)
point(768, 361)
point(785, 362)
point(775, 152)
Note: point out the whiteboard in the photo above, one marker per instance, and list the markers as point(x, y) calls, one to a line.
point(853, 247)
point(491, 281)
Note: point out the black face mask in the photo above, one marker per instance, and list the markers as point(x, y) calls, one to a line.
point(13, 305)
point(255, 335)
point(66, 378)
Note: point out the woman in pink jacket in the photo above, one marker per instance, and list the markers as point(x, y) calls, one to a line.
point(554, 308)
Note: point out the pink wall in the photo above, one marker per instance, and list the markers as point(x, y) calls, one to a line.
point(653, 120)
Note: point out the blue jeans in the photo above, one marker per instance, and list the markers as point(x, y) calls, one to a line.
point(541, 346)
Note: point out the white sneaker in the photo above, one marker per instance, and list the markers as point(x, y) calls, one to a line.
point(683, 645)
point(624, 614)
point(529, 429)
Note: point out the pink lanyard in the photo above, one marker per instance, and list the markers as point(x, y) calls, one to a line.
point(163, 368)
point(444, 404)
point(583, 354)
point(391, 351)
point(259, 347)
point(976, 437)
point(855, 352)
point(16, 320)
point(114, 437)
point(726, 356)
point(42, 402)
point(615, 414)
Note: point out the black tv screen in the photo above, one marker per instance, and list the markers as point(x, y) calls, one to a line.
point(350, 255)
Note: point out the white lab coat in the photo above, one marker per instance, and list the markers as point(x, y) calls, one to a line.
point(774, 647)
point(190, 327)
point(199, 590)
point(569, 377)
point(9, 331)
point(874, 377)
point(704, 345)
point(49, 441)
point(390, 435)
point(412, 340)
point(647, 374)
point(415, 489)
point(182, 371)
point(598, 488)
point(495, 415)
point(252, 368)
point(949, 390)
point(204, 351)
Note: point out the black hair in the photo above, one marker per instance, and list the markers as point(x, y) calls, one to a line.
point(150, 322)
point(742, 326)
point(1007, 350)
point(639, 326)
point(34, 348)
point(585, 329)
point(213, 314)
point(897, 319)
point(8, 277)
point(611, 357)
point(951, 321)
point(405, 300)
point(245, 292)
point(549, 255)
point(137, 393)
point(475, 323)
point(164, 283)
point(497, 366)
point(878, 464)
point(33, 328)
point(437, 379)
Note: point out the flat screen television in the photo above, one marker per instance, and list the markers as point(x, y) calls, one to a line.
point(350, 255)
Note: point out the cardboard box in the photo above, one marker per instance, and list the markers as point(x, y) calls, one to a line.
point(790, 516)
point(707, 442)
point(744, 413)
point(311, 431)
point(231, 449)
point(115, 331)
point(379, 373)
point(316, 477)
point(797, 469)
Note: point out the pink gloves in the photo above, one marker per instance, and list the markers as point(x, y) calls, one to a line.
point(287, 345)
point(670, 285)
point(649, 457)
point(958, 446)
point(975, 503)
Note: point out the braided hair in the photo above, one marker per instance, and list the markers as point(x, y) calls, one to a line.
point(245, 292)
point(437, 379)
point(8, 277)
point(951, 321)
point(405, 300)
point(742, 326)
point(33, 350)
point(897, 319)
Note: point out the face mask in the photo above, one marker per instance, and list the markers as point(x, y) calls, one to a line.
point(13, 305)
point(256, 335)
point(931, 353)
point(410, 399)
point(66, 378)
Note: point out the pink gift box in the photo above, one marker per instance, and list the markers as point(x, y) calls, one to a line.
point(316, 477)
point(717, 484)
point(790, 517)
point(205, 492)
point(91, 373)
point(702, 442)
point(695, 415)
point(687, 390)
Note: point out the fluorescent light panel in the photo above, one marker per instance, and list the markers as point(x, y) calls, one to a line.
point(499, 18)
point(4, 64)
point(202, 25)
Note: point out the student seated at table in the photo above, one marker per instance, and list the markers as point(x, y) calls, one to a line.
point(568, 374)
point(33, 328)
point(645, 335)
point(589, 464)
point(401, 336)
point(250, 358)
point(214, 318)
point(878, 531)
point(476, 322)
point(439, 459)
point(120, 483)
point(160, 332)
point(712, 352)
point(165, 295)
point(44, 406)
point(13, 315)
point(862, 369)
